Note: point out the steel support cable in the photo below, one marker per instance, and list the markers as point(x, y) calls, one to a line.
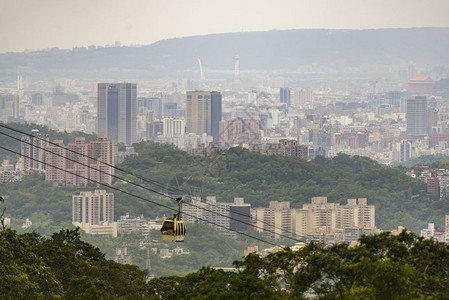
point(139, 197)
point(144, 179)
point(146, 188)
point(172, 189)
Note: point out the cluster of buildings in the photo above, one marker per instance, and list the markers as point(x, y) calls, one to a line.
point(393, 126)
point(318, 221)
point(227, 218)
point(430, 232)
point(94, 213)
point(8, 172)
point(389, 123)
point(77, 164)
point(437, 181)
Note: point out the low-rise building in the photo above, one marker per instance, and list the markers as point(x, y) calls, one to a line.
point(129, 224)
point(121, 256)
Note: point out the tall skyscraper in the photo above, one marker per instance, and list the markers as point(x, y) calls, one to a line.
point(285, 96)
point(417, 116)
point(203, 113)
point(9, 107)
point(215, 115)
point(117, 109)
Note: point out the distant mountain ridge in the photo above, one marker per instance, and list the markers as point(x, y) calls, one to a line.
point(268, 50)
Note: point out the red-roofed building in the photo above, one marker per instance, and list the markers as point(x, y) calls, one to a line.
point(420, 85)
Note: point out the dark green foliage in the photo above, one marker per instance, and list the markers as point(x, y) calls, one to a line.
point(432, 160)
point(399, 199)
point(62, 267)
point(379, 267)
point(208, 283)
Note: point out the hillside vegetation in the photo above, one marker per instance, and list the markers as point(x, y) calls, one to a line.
point(399, 199)
point(380, 267)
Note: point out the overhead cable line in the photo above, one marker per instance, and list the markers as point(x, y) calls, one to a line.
point(144, 187)
point(139, 197)
point(146, 180)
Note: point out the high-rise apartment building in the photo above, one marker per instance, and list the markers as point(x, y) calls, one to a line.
point(93, 208)
point(301, 98)
point(77, 163)
point(203, 113)
point(275, 220)
point(417, 116)
point(56, 162)
point(433, 184)
point(33, 150)
point(86, 164)
point(101, 161)
point(117, 109)
point(356, 214)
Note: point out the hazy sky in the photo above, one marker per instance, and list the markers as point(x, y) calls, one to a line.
point(32, 24)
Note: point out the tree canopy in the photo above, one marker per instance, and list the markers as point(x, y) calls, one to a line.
point(62, 267)
point(379, 267)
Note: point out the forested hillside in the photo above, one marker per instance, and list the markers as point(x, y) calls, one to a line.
point(399, 199)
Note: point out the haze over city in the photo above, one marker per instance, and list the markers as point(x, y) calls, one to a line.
point(44, 24)
point(224, 149)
